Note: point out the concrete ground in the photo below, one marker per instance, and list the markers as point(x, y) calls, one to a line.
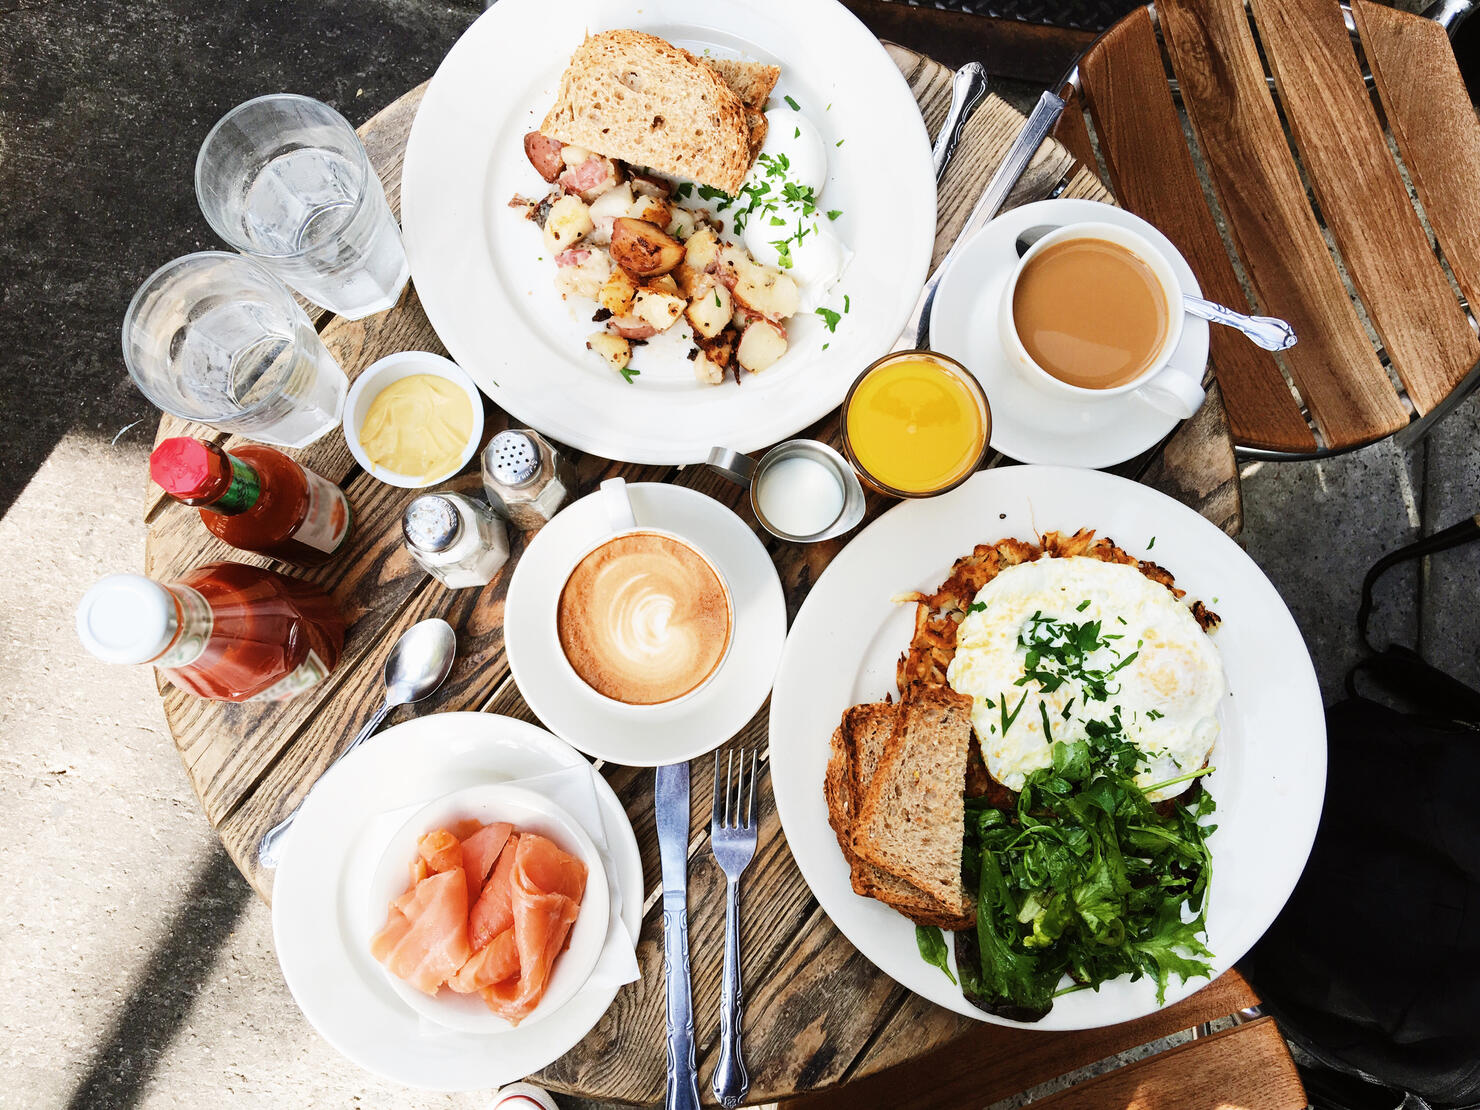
point(136, 967)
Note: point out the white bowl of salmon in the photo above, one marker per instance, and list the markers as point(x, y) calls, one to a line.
point(495, 908)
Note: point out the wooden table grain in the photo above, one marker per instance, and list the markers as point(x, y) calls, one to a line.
point(817, 1012)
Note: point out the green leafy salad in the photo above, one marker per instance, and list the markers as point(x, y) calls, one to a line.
point(1085, 877)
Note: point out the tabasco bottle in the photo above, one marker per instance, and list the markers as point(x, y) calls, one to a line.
point(255, 498)
point(225, 631)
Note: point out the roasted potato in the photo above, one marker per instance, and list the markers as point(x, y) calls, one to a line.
point(709, 308)
point(613, 348)
point(616, 294)
point(605, 209)
point(664, 284)
point(630, 327)
point(701, 250)
point(761, 344)
point(721, 349)
point(681, 223)
point(659, 310)
point(642, 249)
point(651, 210)
point(758, 288)
point(706, 371)
point(543, 153)
point(580, 272)
point(568, 221)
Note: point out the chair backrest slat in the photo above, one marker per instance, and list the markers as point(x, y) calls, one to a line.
point(1153, 175)
point(1363, 199)
point(1435, 125)
point(1258, 186)
point(1247, 1065)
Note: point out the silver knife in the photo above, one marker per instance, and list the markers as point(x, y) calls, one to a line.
point(1046, 112)
point(671, 802)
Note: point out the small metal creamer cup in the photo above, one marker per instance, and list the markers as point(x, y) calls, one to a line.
point(746, 471)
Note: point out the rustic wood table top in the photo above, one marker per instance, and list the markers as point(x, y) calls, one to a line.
point(817, 1012)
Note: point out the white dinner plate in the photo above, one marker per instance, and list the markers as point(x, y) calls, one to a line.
point(1029, 423)
point(1270, 755)
point(319, 900)
point(647, 736)
point(485, 277)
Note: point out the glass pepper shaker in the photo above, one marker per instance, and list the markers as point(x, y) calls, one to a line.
point(457, 540)
point(525, 477)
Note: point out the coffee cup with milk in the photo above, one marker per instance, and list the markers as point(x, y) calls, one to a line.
point(645, 618)
point(1094, 310)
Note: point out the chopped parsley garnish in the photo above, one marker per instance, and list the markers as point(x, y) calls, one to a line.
point(684, 191)
point(834, 213)
point(829, 317)
point(838, 143)
point(846, 302)
point(1152, 544)
point(629, 373)
point(709, 192)
point(717, 302)
point(795, 107)
point(797, 134)
point(764, 198)
point(1008, 718)
point(1082, 606)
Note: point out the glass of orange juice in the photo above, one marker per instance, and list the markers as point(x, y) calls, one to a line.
point(915, 424)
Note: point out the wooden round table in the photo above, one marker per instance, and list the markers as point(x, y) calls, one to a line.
point(817, 1012)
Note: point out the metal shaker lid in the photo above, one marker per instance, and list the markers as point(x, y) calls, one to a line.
point(432, 523)
point(511, 459)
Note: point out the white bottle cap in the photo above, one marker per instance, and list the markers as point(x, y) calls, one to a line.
point(127, 618)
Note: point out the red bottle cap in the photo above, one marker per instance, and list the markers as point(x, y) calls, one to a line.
point(190, 468)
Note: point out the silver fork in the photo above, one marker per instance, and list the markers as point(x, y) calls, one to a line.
point(732, 836)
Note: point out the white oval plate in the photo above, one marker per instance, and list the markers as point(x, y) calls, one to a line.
point(488, 292)
point(1270, 756)
point(319, 925)
point(650, 735)
point(1031, 424)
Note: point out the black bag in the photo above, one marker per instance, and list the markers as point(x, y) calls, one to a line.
point(1373, 968)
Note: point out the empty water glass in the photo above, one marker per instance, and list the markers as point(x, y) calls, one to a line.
point(214, 337)
point(286, 180)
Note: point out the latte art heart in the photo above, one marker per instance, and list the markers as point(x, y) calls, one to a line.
point(644, 619)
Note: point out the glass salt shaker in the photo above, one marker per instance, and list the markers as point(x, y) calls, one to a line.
point(457, 540)
point(525, 477)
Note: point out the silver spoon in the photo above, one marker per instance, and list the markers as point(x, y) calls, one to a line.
point(1268, 332)
point(417, 665)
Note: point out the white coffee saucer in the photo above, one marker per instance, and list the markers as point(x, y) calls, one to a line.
point(646, 737)
point(1031, 424)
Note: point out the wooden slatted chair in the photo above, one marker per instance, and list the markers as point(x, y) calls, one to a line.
point(1370, 247)
point(1244, 1066)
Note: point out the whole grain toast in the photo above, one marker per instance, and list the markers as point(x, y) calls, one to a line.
point(911, 820)
point(633, 96)
point(752, 82)
point(857, 747)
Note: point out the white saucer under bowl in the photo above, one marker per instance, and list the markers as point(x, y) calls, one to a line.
point(1031, 424)
point(657, 734)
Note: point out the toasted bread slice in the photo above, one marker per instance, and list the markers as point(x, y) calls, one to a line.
point(912, 818)
point(632, 96)
point(857, 746)
point(752, 82)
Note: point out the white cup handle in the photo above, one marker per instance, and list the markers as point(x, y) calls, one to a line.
point(618, 504)
point(1174, 391)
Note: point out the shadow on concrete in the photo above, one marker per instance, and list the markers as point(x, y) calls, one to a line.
point(160, 1001)
point(103, 107)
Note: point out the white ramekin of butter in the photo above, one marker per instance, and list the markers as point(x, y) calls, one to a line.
point(413, 419)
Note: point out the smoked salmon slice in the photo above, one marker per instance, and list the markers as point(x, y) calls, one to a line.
point(545, 895)
point(441, 851)
point(495, 962)
point(479, 853)
point(425, 939)
point(493, 911)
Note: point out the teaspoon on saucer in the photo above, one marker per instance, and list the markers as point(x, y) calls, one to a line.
point(1268, 332)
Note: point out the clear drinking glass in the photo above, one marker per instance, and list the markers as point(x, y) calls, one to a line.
point(286, 180)
point(214, 337)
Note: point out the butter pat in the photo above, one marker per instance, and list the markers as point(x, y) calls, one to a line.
point(418, 426)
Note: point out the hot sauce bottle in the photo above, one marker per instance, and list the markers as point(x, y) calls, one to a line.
point(255, 498)
point(225, 631)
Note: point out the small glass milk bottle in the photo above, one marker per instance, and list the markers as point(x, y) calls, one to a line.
point(525, 478)
point(457, 540)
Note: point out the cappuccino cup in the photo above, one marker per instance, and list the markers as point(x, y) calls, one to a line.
point(1094, 310)
point(644, 618)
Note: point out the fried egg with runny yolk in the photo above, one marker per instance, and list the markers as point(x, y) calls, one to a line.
point(1161, 673)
